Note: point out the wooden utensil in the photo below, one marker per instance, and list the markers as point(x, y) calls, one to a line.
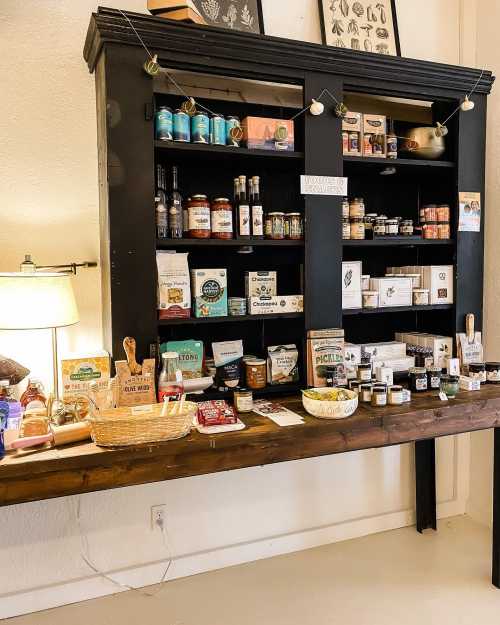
point(129, 345)
point(62, 435)
point(469, 344)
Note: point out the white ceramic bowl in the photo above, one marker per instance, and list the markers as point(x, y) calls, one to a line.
point(330, 409)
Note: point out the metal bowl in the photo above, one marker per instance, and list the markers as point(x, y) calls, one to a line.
point(424, 143)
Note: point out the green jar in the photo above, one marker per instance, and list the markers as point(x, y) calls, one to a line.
point(450, 385)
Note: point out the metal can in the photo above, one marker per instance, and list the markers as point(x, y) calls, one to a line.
point(443, 213)
point(164, 124)
point(277, 225)
point(430, 230)
point(233, 137)
point(443, 230)
point(200, 128)
point(182, 127)
point(354, 142)
point(295, 230)
point(217, 130)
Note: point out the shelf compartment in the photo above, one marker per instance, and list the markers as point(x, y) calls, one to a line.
point(168, 243)
point(407, 163)
point(212, 150)
point(208, 320)
point(395, 309)
point(396, 242)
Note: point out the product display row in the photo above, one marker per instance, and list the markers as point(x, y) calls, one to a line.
point(364, 134)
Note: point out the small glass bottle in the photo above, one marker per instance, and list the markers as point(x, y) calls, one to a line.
point(33, 396)
point(170, 383)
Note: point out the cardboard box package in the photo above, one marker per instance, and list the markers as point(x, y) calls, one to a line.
point(325, 348)
point(390, 350)
point(276, 304)
point(352, 122)
point(393, 291)
point(261, 283)
point(352, 357)
point(441, 346)
point(351, 284)
point(438, 279)
point(264, 133)
point(209, 287)
point(398, 365)
point(79, 372)
point(374, 125)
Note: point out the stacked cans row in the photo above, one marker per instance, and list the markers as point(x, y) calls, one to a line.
point(198, 128)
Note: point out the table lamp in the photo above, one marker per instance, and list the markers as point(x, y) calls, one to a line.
point(33, 301)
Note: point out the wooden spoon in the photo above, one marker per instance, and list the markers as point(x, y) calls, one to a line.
point(129, 345)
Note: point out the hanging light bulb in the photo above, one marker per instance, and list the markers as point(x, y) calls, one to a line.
point(151, 66)
point(317, 108)
point(467, 105)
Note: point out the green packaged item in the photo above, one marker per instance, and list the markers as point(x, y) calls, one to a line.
point(190, 356)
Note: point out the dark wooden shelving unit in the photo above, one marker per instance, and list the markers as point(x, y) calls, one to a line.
point(395, 309)
point(221, 150)
point(228, 319)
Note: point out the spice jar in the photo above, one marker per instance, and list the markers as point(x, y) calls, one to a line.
point(430, 213)
point(221, 215)
point(434, 378)
point(345, 208)
point(199, 217)
point(357, 207)
point(369, 221)
point(346, 228)
point(379, 396)
point(493, 372)
point(256, 374)
point(366, 393)
point(365, 372)
point(430, 230)
point(477, 371)
point(443, 213)
point(392, 227)
point(396, 397)
point(406, 227)
point(277, 225)
point(418, 379)
point(444, 231)
point(379, 227)
point(370, 299)
point(357, 228)
point(295, 230)
point(450, 385)
point(243, 400)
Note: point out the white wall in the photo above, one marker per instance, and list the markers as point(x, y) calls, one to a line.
point(49, 207)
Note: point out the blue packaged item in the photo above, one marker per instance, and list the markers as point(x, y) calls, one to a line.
point(4, 413)
point(164, 124)
point(200, 128)
point(182, 127)
point(218, 130)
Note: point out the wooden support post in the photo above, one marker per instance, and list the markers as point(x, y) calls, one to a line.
point(425, 482)
point(495, 576)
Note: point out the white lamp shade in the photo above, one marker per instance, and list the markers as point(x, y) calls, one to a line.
point(30, 301)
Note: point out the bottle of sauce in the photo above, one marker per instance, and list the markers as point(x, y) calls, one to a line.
point(170, 383)
point(33, 396)
point(257, 209)
point(392, 142)
point(175, 214)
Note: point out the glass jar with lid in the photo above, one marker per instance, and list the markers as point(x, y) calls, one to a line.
point(277, 225)
point(357, 226)
point(295, 229)
point(221, 216)
point(391, 227)
point(406, 227)
point(357, 207)
point(346, 228)
point(379, 227)
point(199, 217)
point(345, 208)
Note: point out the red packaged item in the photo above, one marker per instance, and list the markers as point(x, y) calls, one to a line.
point(217, 412)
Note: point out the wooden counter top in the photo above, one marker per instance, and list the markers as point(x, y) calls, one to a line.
point(83, 468)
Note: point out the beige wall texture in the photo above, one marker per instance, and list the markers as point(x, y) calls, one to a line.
point(49, 207)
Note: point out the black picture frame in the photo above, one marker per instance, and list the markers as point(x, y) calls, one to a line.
point(394, 21)
point(220, 24)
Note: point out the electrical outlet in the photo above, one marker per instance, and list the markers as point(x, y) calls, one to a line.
point(158, 516)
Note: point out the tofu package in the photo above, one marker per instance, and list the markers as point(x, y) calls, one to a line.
point(261, 283)
point(282, 364)
point(209, 292)
point(393, 292)
point(174, 289)
point(351, 284)
point(80, 372)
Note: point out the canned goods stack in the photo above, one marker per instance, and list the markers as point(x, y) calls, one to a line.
point(435, 221)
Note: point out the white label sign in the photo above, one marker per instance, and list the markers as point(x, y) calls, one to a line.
point(323, 185)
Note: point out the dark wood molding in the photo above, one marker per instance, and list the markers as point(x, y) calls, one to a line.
point(219, 49)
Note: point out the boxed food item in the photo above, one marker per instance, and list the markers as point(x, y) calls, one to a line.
point(264, 133)
point(282, 364)
point(374, 125)
point(351, 131)
point(174, 292)
point(136, 390)
point(393, 291)
point(78, 373)
point(389, 350)
point(209, 292)
point(322, 353)
point(469, 384)
point(261, 283)
point(190, 357)
point(351, 284)
point(216, 412)
point(276, 304)
point(441, 346)
point(398, 365)
point(438, 279)
point(352, 357)
point(228, 359)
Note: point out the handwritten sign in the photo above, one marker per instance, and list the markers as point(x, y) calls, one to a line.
point(323, 185)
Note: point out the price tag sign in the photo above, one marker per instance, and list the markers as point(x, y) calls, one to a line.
point(323, 185)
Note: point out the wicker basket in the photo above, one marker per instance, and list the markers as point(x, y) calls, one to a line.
point(118, 427)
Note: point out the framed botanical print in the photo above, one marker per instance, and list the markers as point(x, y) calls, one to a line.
point(245, 15)
point(366, 25)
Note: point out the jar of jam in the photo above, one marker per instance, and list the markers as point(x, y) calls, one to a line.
point(357, 227)
point(443, 213)
point(346, 228)
point(345, 208)
point(430, 230)
point(379, 396)
point(418, 379)
point(391, 227)
point(443, 230)
point(366, 392)
point(277, 226)
point(357, 207)
point(430, 213)
point(434, 378)
point(493, 372)
point(199, 217)
point(406, 227)
point(477, 371)
point(365, 372)
point(395, 395)
point(295, 229)
point(379, 227)
point(221, 214)
point(354, 385)
point(243, 400)
point(369, 221)
point(256, 374)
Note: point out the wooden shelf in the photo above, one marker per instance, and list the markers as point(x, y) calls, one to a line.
point(397, 242)
point(170, 243)
point(395, 309)
point(406, 163)
point(205, 320)
point(212, 150)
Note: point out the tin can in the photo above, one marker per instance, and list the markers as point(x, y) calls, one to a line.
point(431, 231)
point(443, 230)
point(443, 213)
point(231, 137)
point(200, 128)
point(353, 142)
point(182, 127)
point(217, 130)
point(164, 124)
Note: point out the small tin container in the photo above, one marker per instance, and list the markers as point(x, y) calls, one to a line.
point(277, 225)
point(164, 124)
point(493, 372)
point(200, 128)
point(365, 393)
point(477, 371)
point(237, 306)
point(450, 385)
point(357, 228)
point(346, 228)
point(364, 372)
point(418, 379)
point(370, 299)
point(395, 395)
point(379, 396)
point(434, 378)
point(233, 122)
point(379, 227)
point(182, 127)
point(392, 227)
point(217, 130)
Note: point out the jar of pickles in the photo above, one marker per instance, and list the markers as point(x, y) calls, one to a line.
point(277, 225)
point(294, 227)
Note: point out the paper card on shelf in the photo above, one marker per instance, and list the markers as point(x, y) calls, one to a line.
point(323, 185)
point(277, 413)
point(470, 212)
